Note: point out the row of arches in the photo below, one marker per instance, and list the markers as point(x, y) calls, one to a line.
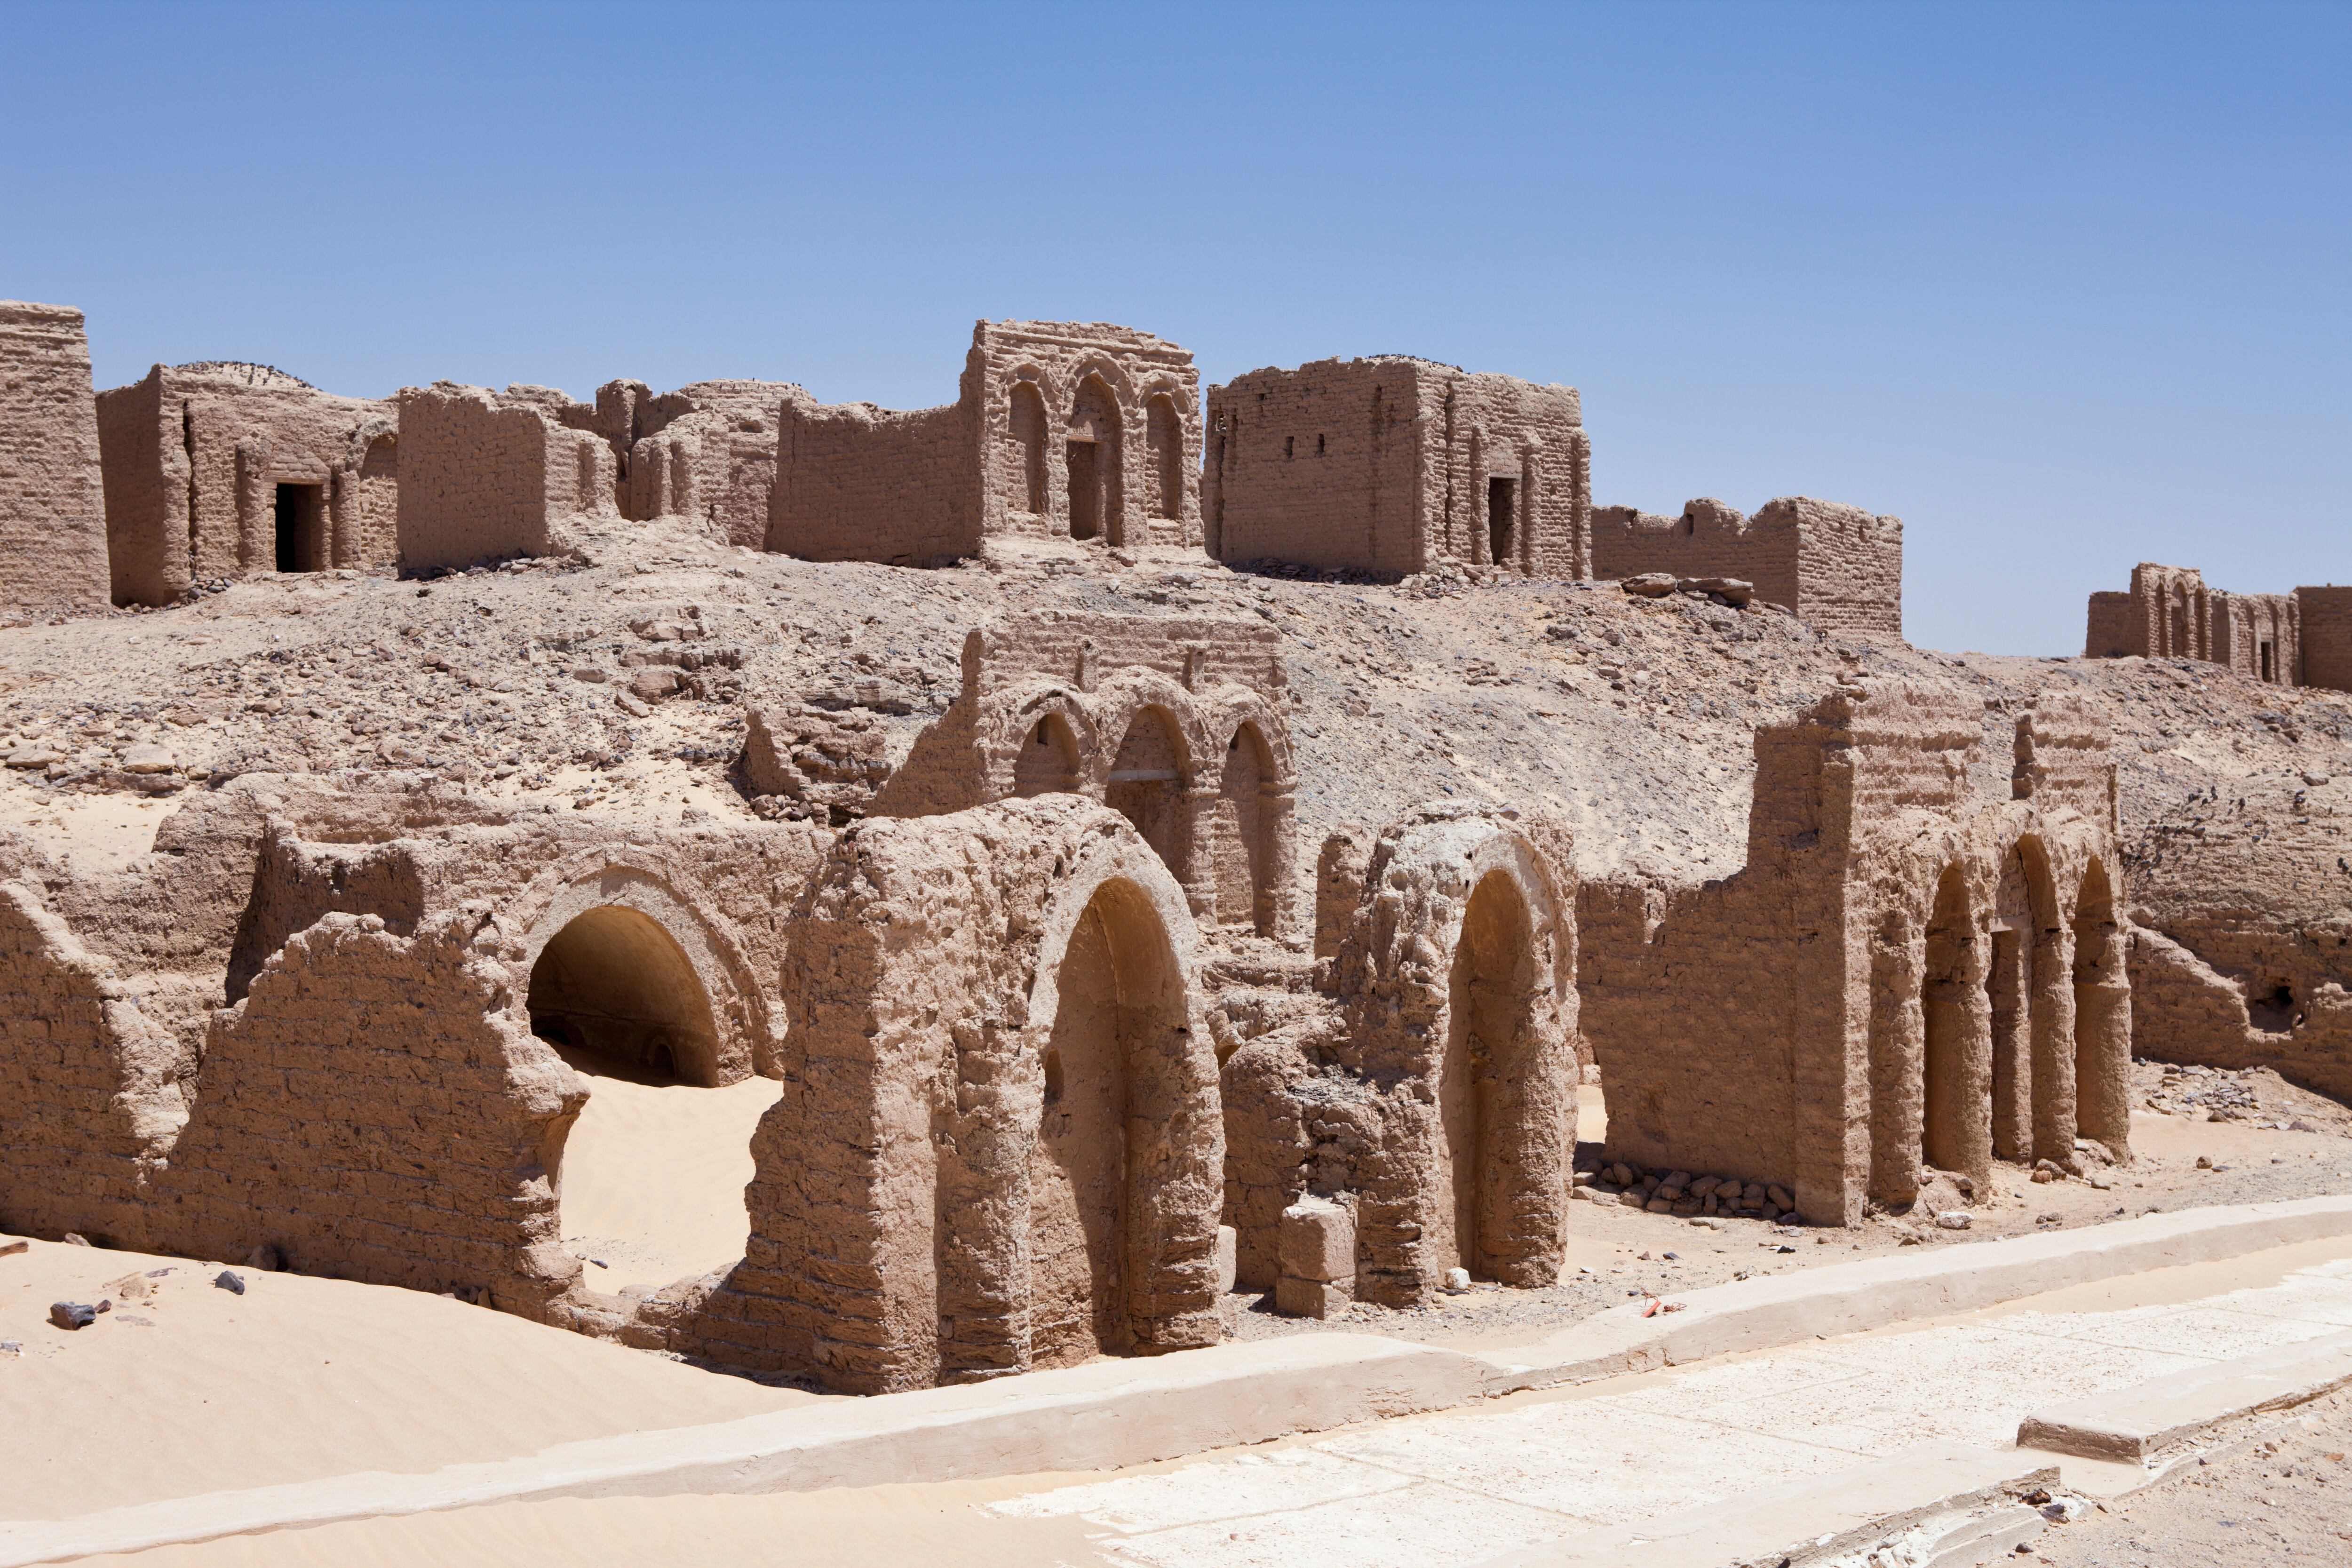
point(1078, 475)
point(1207, 779)
point(2007, 1037)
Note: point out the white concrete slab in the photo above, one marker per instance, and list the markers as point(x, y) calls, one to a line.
point(2136, 1423)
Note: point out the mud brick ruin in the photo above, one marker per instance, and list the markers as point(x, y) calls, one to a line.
point(1836, 567)
point(1085, 1001)
point(1394, 464)
point(52, 498)
point(1061, 431)
point(2301, 638)
point(1923, 977)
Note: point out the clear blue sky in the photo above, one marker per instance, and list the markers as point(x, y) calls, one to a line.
point(2064, 286)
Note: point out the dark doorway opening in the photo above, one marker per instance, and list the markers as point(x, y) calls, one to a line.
point(2266, 663)
point(1086, 491)
point(1502, 511)
point(300, 516)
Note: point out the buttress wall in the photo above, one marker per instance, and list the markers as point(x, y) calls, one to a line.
point(1390, 465)
point(52, 498)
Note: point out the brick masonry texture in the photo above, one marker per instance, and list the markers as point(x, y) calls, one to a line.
point(52, 495)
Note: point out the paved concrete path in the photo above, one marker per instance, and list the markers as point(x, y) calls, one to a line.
point(1465, 1487)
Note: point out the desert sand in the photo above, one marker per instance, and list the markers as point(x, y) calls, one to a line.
point(654, 1172)
point(193, 1388)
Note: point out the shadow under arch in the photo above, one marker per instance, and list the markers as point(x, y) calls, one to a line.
point(1490, 1027)
point(1956, 1123)
point(613, 984)
point(1246, 890)
point(1116, 1063)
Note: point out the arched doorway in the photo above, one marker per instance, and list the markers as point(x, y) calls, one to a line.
point(1092, 451)
point(1027, 430)
point(1245, 859)
point(1489, 1016)
point(650, 1179)
point(1956, 1121)
point(1118, 1039)
point(1047, 762)
point(2102, 1017)
point(1147, 783)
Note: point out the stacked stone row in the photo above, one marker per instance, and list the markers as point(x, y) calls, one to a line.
point(1680, 1192)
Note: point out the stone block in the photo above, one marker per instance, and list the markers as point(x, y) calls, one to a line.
point(1228, 1259)
point(1318, 1240)
point(1312, 1298)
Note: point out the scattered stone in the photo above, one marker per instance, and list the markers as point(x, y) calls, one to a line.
point(149, 758)
point(1650, 584)
point(2064, 1510)
point(72, 1314)
point(1457, 1280)
point(32, 757)
point(265, 1257)
point(10, 1248)
point(232, 1283)
point(1955, 1219)
point(74, 1238)
point(2204, 1163)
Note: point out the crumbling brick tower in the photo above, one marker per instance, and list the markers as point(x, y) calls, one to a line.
point(52, 506)
point(1393, 464)
point(485, 476)
point(1063, 432)
point(218, 470)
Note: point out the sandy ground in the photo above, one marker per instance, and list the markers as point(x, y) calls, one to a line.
point(654, 1173)
point(1614, 1252)
point(196, 1389)
point(1124, 1517)
point(2284, 1501)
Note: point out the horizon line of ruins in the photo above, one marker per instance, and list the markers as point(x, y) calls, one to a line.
point(1074, 1035)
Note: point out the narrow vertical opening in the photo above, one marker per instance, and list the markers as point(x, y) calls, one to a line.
point(1086, 491)
point(1164, 435)
point(2267, 675)
point(1027, 431)
point(1502, 515)
point(1944, 1065)
point(300, 515)
point(1490, 991)
point(1147, 785)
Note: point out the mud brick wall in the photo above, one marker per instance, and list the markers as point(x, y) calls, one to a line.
point(193, 456)
point(2109, 635)
point(1836, 567)
point(1077, 649)
point(482, 477)
point(91, 1086)
point(1385, 465)
point(859, 483)
point(52, 493)
point(2325, 616)
point(377, 1109)
point(960, 987)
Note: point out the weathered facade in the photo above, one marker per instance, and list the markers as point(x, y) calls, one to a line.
point(1062, 432)
point(1392, 464)
point(485, 476)
point(1903, 977)
point(1433, 1095)
point(218, 470)
point(1835, 567)
point(2300, 638)
point(52, 506)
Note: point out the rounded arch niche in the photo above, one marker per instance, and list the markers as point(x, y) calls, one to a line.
point(612, 984)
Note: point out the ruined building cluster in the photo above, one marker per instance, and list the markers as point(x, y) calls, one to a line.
point(1072, 1034)
point(2301, 638)
point(1064, 436)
